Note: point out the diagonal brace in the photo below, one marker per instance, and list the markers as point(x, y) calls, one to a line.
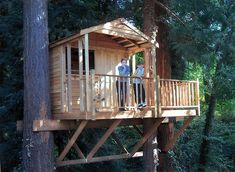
point(80, 154)
point(103, 139)
point(171, 143)
point(72, 141)
point(119, 143)
point(147, 135)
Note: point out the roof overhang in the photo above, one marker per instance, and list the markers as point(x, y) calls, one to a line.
point(115, 29)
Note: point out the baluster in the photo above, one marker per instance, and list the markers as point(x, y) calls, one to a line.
point(105, 92)
point(193, 92)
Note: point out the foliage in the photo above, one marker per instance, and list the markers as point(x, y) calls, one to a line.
point(207, 38)
point(11, 82)
point(206, 43)
point(198, 47)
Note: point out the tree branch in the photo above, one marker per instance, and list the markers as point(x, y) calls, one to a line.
point(170, 12)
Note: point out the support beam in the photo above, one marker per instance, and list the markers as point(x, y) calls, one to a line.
point(171, 143)
point(138, 130)
point(98, 159)
point(58, 125)
point(151, 131)
point(78, 150)
point(119, 143)
point(72, 141)
point(103, 139)
point(133, 42)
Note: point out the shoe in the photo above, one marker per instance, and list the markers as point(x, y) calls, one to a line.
point(144, 104)
point(122, 109)
point(140, 105)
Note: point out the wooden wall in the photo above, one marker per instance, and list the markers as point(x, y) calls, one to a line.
point(55, 79)
point(108, 55)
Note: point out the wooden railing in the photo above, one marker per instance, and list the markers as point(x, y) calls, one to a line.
point(179, 94)
point(108, 93)
point(115, 91)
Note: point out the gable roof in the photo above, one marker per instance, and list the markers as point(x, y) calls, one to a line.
point(119, 28)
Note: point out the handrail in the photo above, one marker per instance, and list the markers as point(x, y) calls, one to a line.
point(161, 79)
point(173, 94)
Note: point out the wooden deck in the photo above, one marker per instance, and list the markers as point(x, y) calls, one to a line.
point(98, 98)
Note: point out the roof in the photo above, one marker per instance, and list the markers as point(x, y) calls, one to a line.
point(116, 29)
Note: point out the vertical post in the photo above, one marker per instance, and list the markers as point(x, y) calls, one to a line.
point(198, 98)
point(69, 77)
point(133, 64)
point(93, 97)
point(105, 92)
point(158, 95)
point(87, 72)
point(155, 81)
point(110, 92)
point(81, 83)
point(147, 74)
point(62, 81)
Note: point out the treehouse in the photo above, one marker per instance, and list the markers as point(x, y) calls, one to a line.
point(85, 88)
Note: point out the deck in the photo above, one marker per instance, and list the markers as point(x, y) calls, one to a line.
point(100, 98)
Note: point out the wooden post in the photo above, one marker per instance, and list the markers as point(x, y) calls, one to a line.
point(198, 98)
point(158, 96)
point(133, 64)
point(81, 81)
point(155, 81)
point(63, 75)
point(93, 96)
point(87, 72)
point(147, 74)
point(69, 77)
point(105, 92)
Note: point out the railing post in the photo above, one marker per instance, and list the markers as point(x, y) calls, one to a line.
point(69, 78)
point(63, 79)
point(158, 95)
point(93, 95)
point(155, 80)
point(198, 98)
point(81, 84)
point(87, 72)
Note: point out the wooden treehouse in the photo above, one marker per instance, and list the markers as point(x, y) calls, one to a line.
point(84, 83)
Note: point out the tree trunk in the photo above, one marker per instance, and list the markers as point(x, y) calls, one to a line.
point(204, 149)
point(152, 13)
point(205, 145)
point(149, 147)
point(37, 146)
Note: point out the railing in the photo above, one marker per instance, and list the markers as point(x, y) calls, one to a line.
point(116, 93)
point(179, 94)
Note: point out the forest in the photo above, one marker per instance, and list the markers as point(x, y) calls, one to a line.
point(200, 38)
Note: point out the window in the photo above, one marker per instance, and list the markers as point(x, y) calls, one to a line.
point(75, 60)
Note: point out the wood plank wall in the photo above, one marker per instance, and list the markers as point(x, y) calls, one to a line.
point(55, 79)
point(108, 55)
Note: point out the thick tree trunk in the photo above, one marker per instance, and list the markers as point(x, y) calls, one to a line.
point(204, 149)
point(149, 147)
point(37, 147)
point(152, 13)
